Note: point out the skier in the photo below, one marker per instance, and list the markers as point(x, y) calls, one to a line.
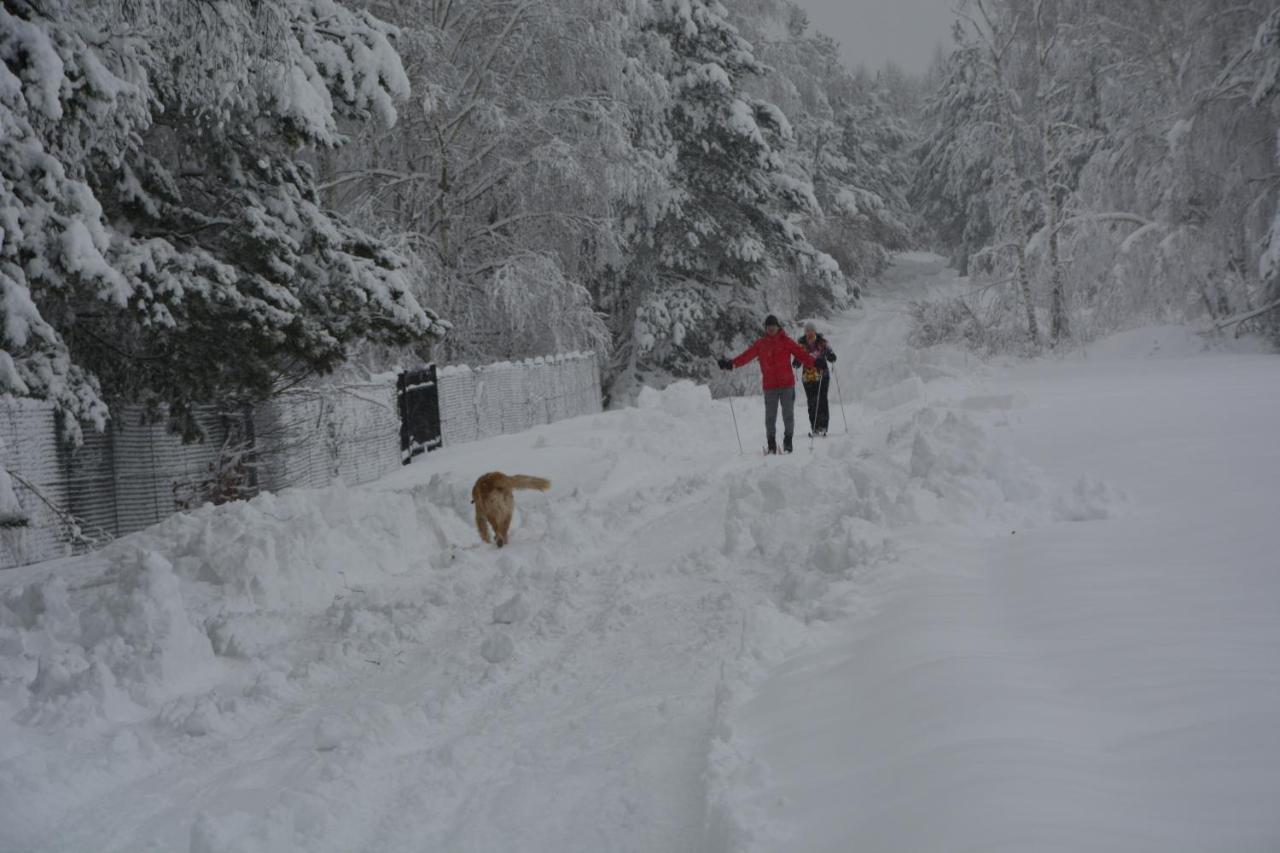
point(817, 379)
point(775, 351)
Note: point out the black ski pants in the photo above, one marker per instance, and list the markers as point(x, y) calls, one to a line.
point(815, 394)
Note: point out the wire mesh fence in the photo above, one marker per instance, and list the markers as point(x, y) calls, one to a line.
point(479, 402)
point(313, 436)
point(138, 472)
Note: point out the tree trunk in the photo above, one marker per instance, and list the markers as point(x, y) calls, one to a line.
point(1024, 284)
point(1059, 322)
point(1024, 281)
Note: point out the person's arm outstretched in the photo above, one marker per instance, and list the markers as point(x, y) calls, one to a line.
point(750, 353)
point(802, 354)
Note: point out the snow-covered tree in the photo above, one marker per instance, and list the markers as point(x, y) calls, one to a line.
point(162, 236)
point(1170, 214)
point(1259, 65)
point(730, 220)
point(583, 173)
point(960, 155)
point(735, 213)
point(499, 179)
point(1132, 175)
point(847, 142)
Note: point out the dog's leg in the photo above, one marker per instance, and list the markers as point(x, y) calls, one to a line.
point(481, 524)
point(500, 529)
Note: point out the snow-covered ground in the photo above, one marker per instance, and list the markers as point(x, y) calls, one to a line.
point(1016, 607)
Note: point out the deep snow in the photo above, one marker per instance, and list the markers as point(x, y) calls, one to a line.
point(1018, 607)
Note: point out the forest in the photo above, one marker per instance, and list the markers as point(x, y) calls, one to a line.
point(214, 200)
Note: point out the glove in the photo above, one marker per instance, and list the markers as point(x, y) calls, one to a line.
point(725, 363)
point(795, 362)
point(831, 357)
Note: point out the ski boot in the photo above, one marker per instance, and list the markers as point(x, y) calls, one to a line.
point(786, 443)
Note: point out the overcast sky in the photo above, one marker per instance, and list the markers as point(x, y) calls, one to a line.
point(872, 32)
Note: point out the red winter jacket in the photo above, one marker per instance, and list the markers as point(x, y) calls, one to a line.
point(775, 353)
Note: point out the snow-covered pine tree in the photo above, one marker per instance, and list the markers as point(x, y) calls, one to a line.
point(733, 212)
point(959, 155)
point(854, 151)
point(877, 143)
point(163, 240)
point(801, 75)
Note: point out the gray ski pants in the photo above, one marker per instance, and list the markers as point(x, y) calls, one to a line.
point(773, 396)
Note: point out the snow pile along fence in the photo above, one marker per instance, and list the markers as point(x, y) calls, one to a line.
point(138, 472)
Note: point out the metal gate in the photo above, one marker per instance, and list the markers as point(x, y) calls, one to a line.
point(418, 395)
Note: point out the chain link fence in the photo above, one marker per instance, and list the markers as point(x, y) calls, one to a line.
point(510, 397)
point(137, 472)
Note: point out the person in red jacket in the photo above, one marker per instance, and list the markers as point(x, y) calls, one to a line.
point(775, 351)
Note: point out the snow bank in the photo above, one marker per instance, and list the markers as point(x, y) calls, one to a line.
point(898, 394)
point(1150, 342)
point(1089, 500)
point(187, 625)
point(834, 530)
point(168, 604)
point(681, 398)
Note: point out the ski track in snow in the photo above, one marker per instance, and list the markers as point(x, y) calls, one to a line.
point(348, 670)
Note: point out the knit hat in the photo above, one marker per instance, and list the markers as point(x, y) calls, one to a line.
point(809, 326)
point(771, 320)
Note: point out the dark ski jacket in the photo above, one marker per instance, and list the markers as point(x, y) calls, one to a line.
point(775, 353)
point(819, 347)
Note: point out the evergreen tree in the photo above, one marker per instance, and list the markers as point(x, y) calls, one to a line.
point(163, 240)
point(960, 156)
point(732, 216)
point(847, 142)
point(730, 220)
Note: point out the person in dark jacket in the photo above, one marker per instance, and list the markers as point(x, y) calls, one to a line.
point(775, 351)
point(816, 379)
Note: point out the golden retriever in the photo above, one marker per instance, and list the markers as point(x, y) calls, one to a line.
point(494, 502)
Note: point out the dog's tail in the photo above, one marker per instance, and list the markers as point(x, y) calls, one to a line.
point(524, 481)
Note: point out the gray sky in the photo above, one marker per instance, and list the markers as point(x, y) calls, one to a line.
point(871, 32)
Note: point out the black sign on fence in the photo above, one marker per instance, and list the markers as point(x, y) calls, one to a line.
point(418, 394)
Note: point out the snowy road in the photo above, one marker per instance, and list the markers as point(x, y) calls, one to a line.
point(688, 649)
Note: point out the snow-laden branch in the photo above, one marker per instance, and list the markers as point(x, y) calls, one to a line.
point(1240, 318)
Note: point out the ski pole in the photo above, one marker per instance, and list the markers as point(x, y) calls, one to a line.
point(812, 411)
point(840, 398)
point(735, 426)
